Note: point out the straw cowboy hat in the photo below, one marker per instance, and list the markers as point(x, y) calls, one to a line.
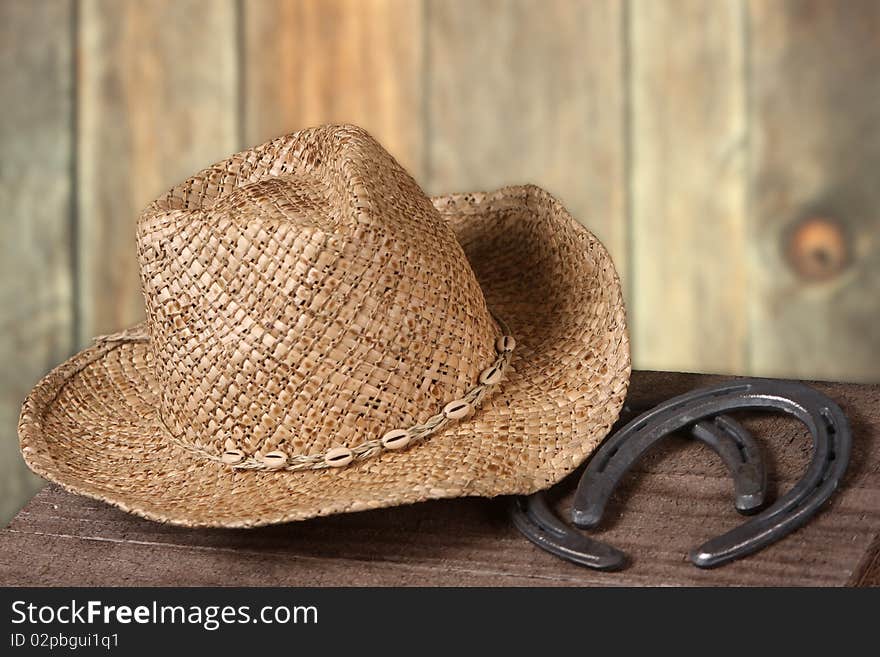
point(322, 337)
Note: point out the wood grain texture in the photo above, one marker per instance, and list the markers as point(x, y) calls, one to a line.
point(36, 132)
point(689, 182)
point(816, 108)
point(308, 62)
point(531, 92)
point(868, 573)
point(677, 497)
point(157, 102)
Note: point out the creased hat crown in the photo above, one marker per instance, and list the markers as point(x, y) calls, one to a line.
point(306, 295)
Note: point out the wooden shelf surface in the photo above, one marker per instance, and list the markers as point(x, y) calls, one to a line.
point(677, 497)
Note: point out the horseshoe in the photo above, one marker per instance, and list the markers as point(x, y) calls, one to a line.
point(534, 518)
point(832, 442)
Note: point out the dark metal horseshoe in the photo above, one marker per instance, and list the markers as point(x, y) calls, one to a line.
point(831, 449)
point(536, 521)
point(725, 436)
point(740, 452)
point(533, 517)
point(733, 443)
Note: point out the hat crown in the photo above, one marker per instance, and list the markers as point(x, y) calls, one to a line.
point(304, 295)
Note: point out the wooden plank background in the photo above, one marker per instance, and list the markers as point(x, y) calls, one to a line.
point(815, 225)
point(36, 215)
point(688, 121)
point(523, 91)
point(157, 86)
point(726, 152)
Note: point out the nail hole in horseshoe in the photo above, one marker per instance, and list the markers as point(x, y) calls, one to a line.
point(608, 457)
point(740, 448)
point(829, 421)
point(729, 391)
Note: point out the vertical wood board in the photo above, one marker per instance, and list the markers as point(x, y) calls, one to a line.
point(36, 89)
point(689, 183)
point(816, 152)
point(157, 102)
point(531, 92)
point(309, 62)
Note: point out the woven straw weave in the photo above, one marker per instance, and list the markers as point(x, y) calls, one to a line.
point(306, 295)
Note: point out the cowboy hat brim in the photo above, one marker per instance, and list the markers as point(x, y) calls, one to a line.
point(91, 425)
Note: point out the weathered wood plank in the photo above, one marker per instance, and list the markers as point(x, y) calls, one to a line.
point(674, 500)
point(36, 93)
point(182, 566)
point(308, 62)
point(416, 547)
point(816, 107)
point(157, 102)
point(689, 182)
point(531, 92)
point(868, 574)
